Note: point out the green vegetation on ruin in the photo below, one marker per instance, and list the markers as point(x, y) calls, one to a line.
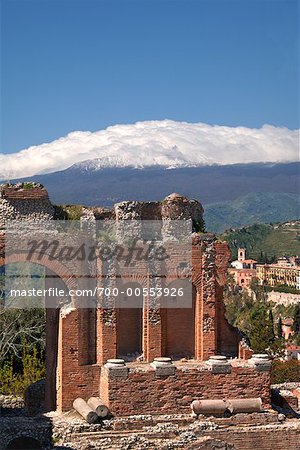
point(68, 212)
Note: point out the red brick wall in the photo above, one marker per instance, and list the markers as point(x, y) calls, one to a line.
point(73, 380)
point(106, 335)
point(142, 392)
point(179, 331)
point(25, 194)
point(227, 335)
point(249, 438)
point(87, 332)
point(199, 332)
point(244, 351)
point(129, 331)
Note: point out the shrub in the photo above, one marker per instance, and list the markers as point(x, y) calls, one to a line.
point(14, 382)
point(28, 185)
point(68, 212)
point(285, 371)
point(199, 226)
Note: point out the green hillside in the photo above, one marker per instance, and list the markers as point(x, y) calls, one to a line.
point(265, 241)
point(250, 209)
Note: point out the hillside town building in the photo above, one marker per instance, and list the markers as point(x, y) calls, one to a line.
point(276, 275)
point(243, 270)
point(285, 272)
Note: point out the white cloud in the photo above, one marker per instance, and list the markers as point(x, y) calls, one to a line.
point(167, 143)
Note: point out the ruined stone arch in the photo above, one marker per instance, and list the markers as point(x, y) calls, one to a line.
point(54, 266)
point(62, 276)
point(23, 443)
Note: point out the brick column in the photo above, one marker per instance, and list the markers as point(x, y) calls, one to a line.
point(106, 335)
point(52, 332)
point(198, 326)
point(208, 310)
point(52, 325)
point(67, 358)
point(152, 327)
point(227, 335)
point(73, 380)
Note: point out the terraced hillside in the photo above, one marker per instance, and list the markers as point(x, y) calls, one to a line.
point(265, 241)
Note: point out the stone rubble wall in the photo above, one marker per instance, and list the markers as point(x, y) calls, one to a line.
point(175, 207)
point(283, 298)
point(164, 432)
point(11, 402)
point(30, 204)
point(18, 427)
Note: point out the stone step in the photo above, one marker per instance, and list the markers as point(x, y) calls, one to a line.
point(135, 423)
point(124, 433)
point(117, 440)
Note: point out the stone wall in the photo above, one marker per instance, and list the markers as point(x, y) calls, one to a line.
point(11, 402)
point(174, 206)
point(39, 429)
point(283, 298)
point(264, 438)
point(25, 204)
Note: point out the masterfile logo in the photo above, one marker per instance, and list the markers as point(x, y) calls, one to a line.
point(92, 264)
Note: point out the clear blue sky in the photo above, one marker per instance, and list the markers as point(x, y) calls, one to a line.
point(83, 65)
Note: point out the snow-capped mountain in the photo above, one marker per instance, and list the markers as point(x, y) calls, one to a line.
point(166, 144)
point(243, 193)
point(115, 161)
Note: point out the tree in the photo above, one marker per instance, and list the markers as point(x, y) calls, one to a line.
point(199, 226)
point(259, 291)
point(18, 326)
point(251, 313)
point(271, 319)
point(279, 328)
point(261, 333)
point(32, 368)
point(296, 321)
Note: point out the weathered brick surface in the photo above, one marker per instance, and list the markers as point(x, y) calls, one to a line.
point(278, 437)
point(143, 392)
point(245, 351)
point(129, 330)
point(35, 193)
point(73, 380)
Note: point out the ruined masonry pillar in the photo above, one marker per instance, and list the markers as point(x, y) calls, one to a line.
point(152, 333)
point(208, 313)
point(106, 335)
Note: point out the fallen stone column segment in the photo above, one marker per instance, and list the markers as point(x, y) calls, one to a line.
point(85, 410)
point(97, 405)
point(245, 405)
point(209, 406)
